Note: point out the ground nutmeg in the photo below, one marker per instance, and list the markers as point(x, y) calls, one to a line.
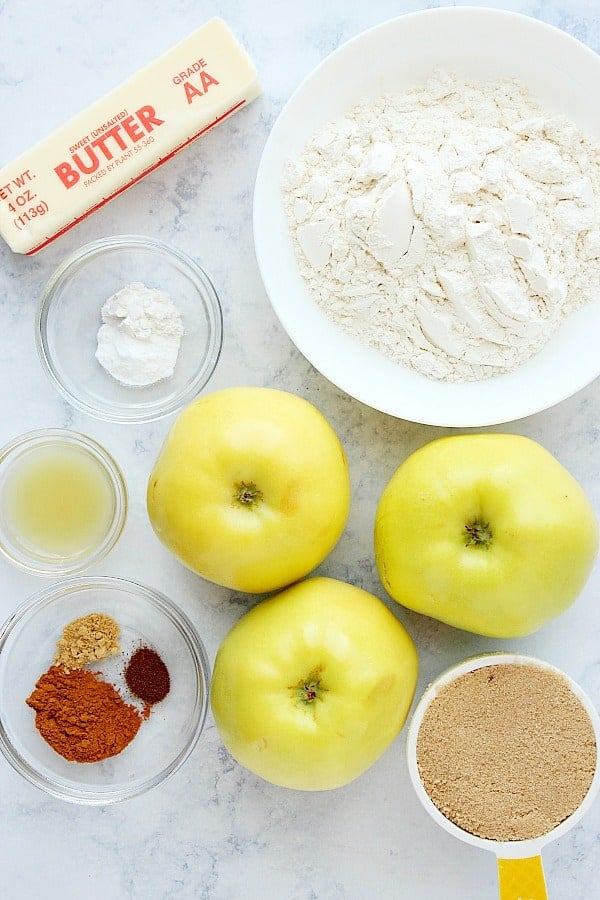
point(87, 639)
point(147, 676)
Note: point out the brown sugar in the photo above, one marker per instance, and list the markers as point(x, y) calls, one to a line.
point(507, 752)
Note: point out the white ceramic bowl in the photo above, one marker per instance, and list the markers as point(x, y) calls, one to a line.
point(392, 57)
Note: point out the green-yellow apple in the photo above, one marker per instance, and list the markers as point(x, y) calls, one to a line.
point(251, 488)
point(486, 532)
point(312, 685)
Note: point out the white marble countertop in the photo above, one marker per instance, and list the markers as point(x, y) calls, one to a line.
point(214, 830)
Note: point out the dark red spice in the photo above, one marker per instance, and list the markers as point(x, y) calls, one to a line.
point(147, 676)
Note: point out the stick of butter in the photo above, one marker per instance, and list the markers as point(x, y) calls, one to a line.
point(128, 133)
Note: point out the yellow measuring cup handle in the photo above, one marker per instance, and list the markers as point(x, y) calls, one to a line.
point(522, 879)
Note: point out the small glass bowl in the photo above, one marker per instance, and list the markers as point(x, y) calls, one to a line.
point(69, 316)
point(164, 740)
point(43, 555)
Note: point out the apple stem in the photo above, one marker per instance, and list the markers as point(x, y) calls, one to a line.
point(479, 534)
point(247, 493)
point(309, 689)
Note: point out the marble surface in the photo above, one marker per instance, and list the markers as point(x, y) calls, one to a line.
point(214, 830)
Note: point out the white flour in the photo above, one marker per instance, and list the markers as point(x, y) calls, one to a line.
point(452, 228)
point(138, 343)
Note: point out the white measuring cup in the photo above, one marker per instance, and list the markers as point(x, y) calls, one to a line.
point(520, 869)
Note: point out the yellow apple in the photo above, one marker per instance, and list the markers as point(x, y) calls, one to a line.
point(251, 488)
point(311, 686)
point(486, 532)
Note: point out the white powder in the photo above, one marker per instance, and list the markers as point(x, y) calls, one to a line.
point(452, 227)
point(138, 343)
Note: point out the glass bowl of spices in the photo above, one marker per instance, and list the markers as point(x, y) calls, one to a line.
point(103, 689)
point(502, 752)
point(63, 501)
point(129, 329)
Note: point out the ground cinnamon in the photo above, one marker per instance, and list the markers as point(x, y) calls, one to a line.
point(82, 717)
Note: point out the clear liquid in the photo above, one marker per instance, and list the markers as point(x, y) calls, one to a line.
point(58, 502)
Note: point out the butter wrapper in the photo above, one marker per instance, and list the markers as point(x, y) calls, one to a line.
point(129, 132)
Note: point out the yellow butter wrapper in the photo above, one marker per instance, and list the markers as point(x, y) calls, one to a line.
point(120, 138)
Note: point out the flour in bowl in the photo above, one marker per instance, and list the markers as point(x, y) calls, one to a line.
point(452, 227)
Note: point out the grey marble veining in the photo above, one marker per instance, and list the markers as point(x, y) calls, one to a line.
point(214, 830)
